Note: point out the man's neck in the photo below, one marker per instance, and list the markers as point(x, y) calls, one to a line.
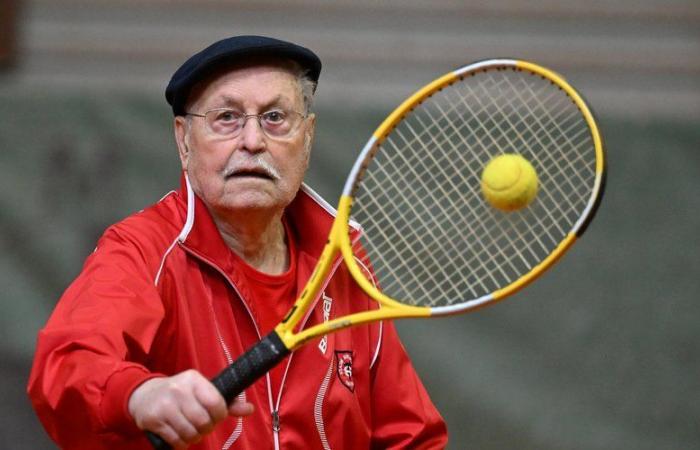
point(259, 240)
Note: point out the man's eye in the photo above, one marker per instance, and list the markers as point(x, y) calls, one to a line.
point(227, 116)
point(274, 117)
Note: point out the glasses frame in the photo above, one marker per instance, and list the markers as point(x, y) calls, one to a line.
point(245, 118)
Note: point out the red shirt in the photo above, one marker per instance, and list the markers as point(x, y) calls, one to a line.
point(271, 298)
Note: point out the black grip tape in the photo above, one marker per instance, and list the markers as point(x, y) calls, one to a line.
point(243, 372)
point(253, 364)
point(157, 442)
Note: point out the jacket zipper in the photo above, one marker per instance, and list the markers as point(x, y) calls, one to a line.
point(276, 429)
point(274, 410)
point(276, 426)
point(275, 421)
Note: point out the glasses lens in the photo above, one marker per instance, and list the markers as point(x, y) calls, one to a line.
point(276, 123)
point(225, 122)
point(279, 123)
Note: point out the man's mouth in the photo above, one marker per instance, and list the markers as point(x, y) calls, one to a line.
point(261, 170)
point(250, 173)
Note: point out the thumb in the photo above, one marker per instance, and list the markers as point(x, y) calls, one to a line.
point(240, 408)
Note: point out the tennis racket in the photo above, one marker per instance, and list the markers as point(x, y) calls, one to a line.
point(434, 245)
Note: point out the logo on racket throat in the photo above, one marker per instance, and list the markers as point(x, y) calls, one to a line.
point(327, 303)
point(344, 368)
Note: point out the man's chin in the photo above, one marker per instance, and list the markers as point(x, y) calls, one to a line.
point(251, 200)
point(251, 195)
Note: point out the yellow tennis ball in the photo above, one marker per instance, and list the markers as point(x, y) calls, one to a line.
point(509, 182)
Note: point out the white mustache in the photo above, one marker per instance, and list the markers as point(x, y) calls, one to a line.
point(254, 163)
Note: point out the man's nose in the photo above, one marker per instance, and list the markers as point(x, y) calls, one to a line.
point(252, 135)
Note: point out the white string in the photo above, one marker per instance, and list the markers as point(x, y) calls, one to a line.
point(429, 236)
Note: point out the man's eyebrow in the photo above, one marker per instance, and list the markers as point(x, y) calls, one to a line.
point(276, 102)
point(226, 101)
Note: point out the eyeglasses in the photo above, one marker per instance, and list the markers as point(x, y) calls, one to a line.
point(228, 123)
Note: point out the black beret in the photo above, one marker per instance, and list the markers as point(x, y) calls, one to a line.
point(231, 50)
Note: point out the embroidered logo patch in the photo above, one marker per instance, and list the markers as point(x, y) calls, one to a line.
point(344, 368)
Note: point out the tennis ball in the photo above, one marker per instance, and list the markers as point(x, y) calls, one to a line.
point(509, 182)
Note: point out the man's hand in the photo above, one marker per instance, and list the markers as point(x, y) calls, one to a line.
point(181, 409)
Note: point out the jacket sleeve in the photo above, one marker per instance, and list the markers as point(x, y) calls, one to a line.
point(403, 415)
point(91, 353)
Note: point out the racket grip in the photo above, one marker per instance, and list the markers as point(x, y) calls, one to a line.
point(157, 442)
point(253, 364)
point(243, 372)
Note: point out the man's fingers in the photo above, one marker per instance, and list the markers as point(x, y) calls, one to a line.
point(169, 435)
point(211, 400)
point(185, 429)
point(181, 409)
point(200, 418)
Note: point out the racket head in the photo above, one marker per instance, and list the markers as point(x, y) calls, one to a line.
point(429, 241)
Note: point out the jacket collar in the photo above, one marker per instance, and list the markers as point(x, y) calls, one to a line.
point(309, 218)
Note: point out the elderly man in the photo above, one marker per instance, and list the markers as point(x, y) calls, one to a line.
point(174, 293)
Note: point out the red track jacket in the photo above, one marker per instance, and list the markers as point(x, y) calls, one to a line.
point(159, 296)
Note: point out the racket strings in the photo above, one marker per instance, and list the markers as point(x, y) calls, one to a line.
point(529, 96)
point(395, 248)
point(459, 132)
point(429, 236)
point(476, 254)
point(472, 188)
point(438, 248)
point(438, 244)
point(557, 123)
point(535, 114)
point(535, 138)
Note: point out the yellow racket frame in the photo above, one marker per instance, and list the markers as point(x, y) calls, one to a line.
point(339, 238)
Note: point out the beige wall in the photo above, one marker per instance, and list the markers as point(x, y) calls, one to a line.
point(638, 57)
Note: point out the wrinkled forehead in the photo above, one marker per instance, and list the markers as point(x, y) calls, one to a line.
point(265, 80)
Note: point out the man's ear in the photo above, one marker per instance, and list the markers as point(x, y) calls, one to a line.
point(181, 128)
point(310, 132)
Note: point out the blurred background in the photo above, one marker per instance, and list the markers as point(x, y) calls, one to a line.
point(601, 353)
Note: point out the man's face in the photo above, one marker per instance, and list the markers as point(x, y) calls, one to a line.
point(250, 171)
